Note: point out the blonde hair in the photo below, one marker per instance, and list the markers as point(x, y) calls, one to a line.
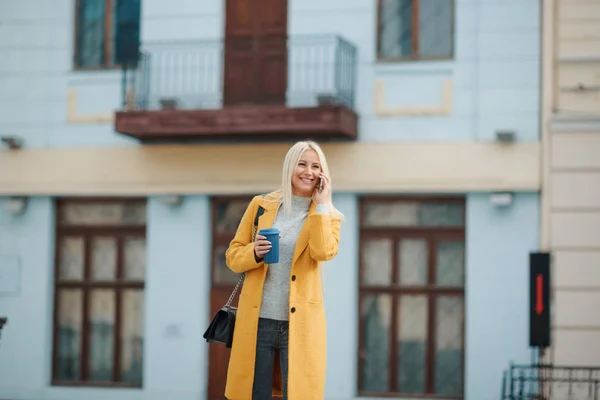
point(283, 195)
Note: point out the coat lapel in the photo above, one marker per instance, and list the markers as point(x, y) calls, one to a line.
point(266, 220)
point(304, 235)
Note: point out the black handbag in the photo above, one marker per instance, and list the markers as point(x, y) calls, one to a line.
point(222, 325)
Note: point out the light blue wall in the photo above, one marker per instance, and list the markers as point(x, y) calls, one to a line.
point(177, 305)
point(36, 49)
point(26, 343)
point(341, 301)
point(499, 241)
point(495, 75)
point(177, 300)
point(495, 72)
point(497, 319)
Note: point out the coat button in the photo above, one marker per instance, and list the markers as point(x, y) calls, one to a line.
point(293, 277)
point(293, 309)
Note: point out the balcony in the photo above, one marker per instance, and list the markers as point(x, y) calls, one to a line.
point(550, 382)
point(242, 88)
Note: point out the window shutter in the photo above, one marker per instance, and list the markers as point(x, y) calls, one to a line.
point(127, 38)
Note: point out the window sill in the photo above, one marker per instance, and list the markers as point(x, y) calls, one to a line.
point(407, 60)
point(379, 395)
point(98, 68)
point(97, 385)
point(445, 66)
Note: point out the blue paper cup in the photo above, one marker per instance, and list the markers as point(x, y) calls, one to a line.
point(272, 235)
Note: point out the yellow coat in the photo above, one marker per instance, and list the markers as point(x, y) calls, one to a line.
point(318, 241)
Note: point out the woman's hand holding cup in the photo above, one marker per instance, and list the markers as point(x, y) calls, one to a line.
point(261, 246)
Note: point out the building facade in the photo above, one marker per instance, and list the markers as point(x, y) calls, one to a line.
point(129, 183)
point(571, 195)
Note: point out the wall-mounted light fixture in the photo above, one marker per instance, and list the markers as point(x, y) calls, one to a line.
point(15, 205)
point(170, 103)
point(171, 200)
point(12, 142)
point(501, 199)
point(3, 321)
point(506, 136)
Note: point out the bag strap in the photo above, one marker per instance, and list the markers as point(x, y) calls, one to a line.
point(241, 280)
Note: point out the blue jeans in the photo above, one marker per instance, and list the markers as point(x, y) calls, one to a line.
point(272, 335)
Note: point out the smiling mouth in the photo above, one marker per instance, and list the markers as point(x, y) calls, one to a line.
point(308, 181)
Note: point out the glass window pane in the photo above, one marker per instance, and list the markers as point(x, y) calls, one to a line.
point(222, 274)
point(90, 32)
point(413, 259)
point(104, 258)
point(132, 336)
point(135, 258)
point(450, 263)
point(101, 339)
point(70, 315)
point(407, 214)
point(441, 214)
point(391, 214)
point(130, 213)
point(449, 345)
point(377, 262)
point(70, 258)
point(396, 33)
point(435, 28)
point(229, 214)
point(412, 343)
point(375, 317)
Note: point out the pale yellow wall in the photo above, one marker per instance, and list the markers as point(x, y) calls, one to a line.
point(575, 244)
point(571, 175)
point(233, 169)
point(577, 33)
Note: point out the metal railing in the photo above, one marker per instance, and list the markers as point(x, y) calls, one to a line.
point(191, 74)
point(549, 382)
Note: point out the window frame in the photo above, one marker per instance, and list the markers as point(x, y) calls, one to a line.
point(221, 239)
point(108, 46)
point(415, 56)
point(86, 284)
point(430, 234)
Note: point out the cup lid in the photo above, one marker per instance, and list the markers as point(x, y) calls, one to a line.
point(268, 231)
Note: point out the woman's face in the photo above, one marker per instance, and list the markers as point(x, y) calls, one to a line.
point(306, 174)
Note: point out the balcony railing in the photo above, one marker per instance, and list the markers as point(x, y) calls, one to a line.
point(548, 382)
point(320, 69)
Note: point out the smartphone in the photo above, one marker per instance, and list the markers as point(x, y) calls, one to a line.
point(320, 185)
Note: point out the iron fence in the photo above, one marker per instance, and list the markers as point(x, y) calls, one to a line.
point(549, 382)
point(190, 74)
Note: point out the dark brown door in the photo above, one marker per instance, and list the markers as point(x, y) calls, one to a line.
point(255, 52)
point(226, 216)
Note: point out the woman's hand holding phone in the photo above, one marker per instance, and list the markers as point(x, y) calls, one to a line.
point(322, 190)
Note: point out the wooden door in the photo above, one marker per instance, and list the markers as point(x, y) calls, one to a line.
point(226, 215)
point(255, 52)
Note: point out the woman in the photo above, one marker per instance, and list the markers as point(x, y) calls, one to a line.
point(279, 340)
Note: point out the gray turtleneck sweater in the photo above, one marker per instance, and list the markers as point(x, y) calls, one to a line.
point(276, 291)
